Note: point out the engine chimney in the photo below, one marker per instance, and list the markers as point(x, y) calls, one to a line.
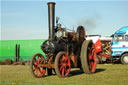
point(51, 19)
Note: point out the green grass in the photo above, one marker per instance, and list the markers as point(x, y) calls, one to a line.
point(106, 74)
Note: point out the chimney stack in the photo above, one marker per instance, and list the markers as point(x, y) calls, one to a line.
point(51, 19)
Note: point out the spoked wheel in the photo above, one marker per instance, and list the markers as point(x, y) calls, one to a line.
point(35, 63)
point(88, 57)
point(62, 64)
point(92, 58)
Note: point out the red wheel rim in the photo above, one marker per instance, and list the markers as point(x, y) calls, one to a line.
point(37, 70)
point(92, 58)
point(64, 65)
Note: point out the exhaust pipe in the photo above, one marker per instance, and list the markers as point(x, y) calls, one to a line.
point(51, 19)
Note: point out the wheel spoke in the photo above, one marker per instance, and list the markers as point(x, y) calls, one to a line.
point(60, 64)
point(90, 57)
point(40, 70)
point(63, 57)
point(66, 58)
point(63, 72)
point(68, 70)
point(91, 54)
point(90, 50)
point(38, 59)
point(37, 71)
point(61, 68)
point(34, 64)
point(93, 51)
point(91, 65)
point(68, 63)
point(41, 61)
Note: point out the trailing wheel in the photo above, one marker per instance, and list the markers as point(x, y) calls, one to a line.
point(88, 57)
point(124, 58)
point(35, 63)
point(62, 64)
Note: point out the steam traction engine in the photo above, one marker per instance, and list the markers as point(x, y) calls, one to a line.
point(64, 50)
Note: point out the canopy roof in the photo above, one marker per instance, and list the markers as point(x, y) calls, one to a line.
point(122, 30)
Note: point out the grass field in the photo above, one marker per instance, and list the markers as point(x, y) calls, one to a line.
point(106, 74)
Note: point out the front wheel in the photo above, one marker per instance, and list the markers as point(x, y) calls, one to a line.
point(35, 63)
point(62, 64)
point(124, 58)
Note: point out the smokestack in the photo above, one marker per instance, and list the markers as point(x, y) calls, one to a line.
point(51, 19)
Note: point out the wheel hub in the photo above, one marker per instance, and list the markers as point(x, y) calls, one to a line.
point(64, 65)
point(126, 59)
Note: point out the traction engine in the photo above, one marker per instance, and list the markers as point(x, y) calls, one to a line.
point(64, 50)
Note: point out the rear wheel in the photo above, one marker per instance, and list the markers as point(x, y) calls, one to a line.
point(88, 57)
point(35, 63)
point(124, 58)
point(62, 64)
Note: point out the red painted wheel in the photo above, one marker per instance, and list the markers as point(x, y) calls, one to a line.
point(35, 63)
point(62, 64)
point(88, 57)
point(92, 57)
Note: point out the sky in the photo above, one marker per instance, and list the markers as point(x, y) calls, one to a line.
point(28, 19)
